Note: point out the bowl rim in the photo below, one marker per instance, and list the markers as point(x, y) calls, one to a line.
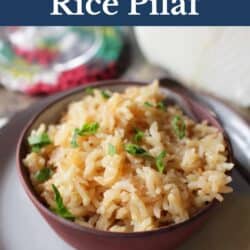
point(49, 214)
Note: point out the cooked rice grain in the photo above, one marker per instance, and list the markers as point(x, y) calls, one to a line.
point(123, 192)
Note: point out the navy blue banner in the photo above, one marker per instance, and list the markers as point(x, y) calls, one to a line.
point(125, 12)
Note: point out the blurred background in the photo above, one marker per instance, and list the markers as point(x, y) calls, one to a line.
point(39, 61)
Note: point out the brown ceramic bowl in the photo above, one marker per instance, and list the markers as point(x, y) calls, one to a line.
point(80, 237)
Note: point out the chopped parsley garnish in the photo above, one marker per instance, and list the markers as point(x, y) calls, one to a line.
point(111, 149)
point(60, 209)
point(74, 138)
point(89, 90)
point(35, 149)
point(159, 161)
point(148, 104)
point(105, 94)
point(138, 136)
point(179, 127)
point(161, 105)
point(37, 141)
point(135, 150)
point(87, 129)
point(43, 174)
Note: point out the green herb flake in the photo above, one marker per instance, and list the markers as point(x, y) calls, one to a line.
point(87, 129)
point(74, 138)
point(60, 209)
point(138, 136)
point(159, 161)
point(35, 149)
point(179, 127)
point(111, 149)
point(161, 106)
point(37, 141)
point(135, 150)
point(43, 174)
point(89, 90)
point(148, 104)
point(105, 94)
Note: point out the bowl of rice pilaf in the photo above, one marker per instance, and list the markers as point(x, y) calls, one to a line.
point(122, 165)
